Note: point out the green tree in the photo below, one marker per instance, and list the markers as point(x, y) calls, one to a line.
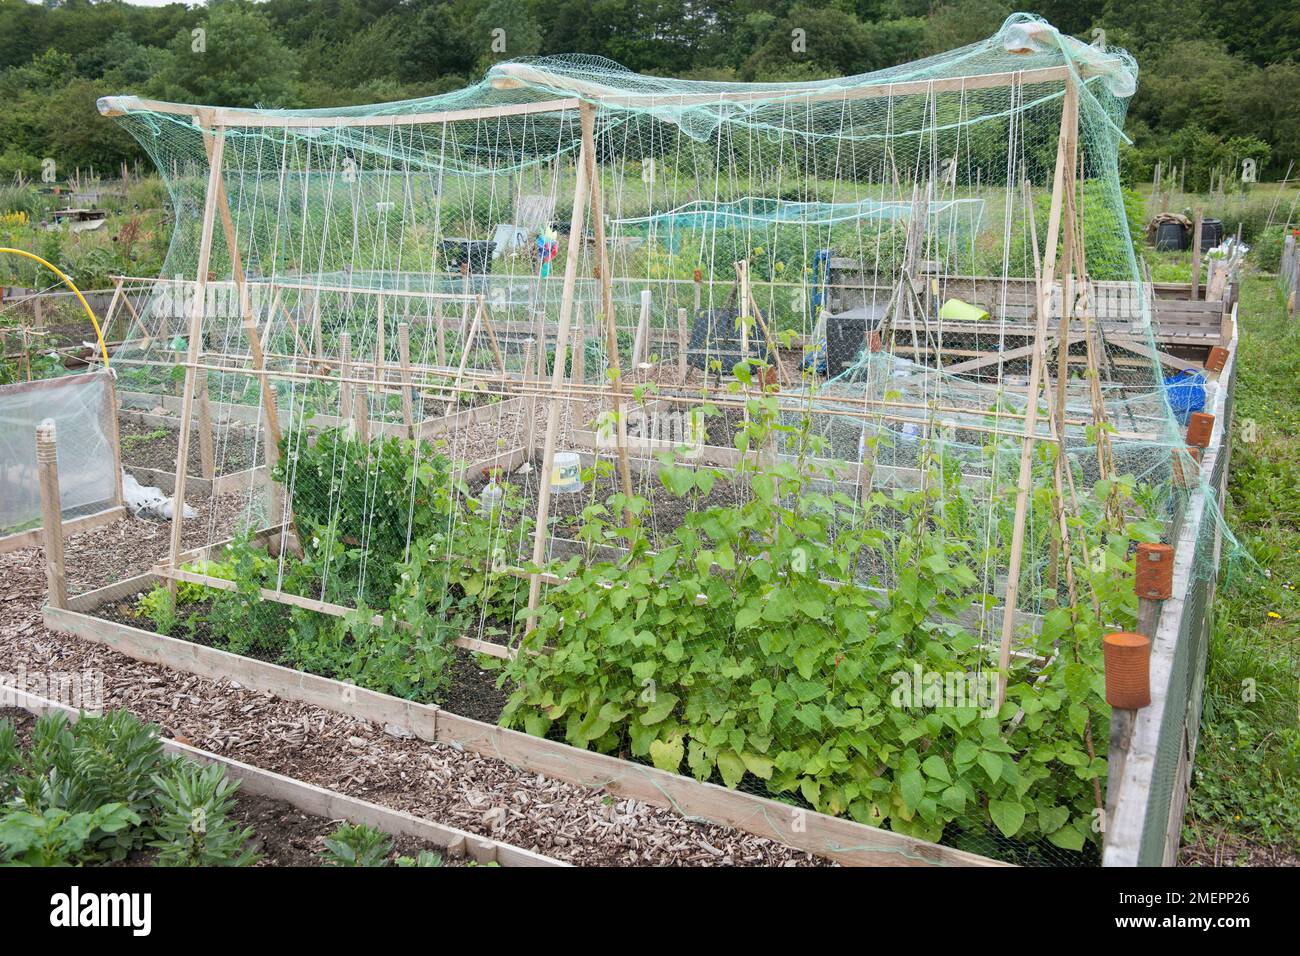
point(237, 61)
point(519, 33)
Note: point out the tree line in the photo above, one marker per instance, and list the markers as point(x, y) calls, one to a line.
point(1219, 78)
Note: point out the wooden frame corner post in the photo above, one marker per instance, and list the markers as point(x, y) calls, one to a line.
point(581, 196)
point(1064, 152)
point(215, 141)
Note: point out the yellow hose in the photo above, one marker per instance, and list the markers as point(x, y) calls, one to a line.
point(75, 291)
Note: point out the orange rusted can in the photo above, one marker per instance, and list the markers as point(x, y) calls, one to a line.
point(1217, 359)
point(1128, 670)
point(1199, 429)
point(1155, 571)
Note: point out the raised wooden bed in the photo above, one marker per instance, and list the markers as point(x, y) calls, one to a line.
point(834, 838)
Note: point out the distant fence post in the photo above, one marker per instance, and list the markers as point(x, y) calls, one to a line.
point(47, 466)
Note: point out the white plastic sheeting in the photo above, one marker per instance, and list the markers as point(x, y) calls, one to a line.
point(82, 409)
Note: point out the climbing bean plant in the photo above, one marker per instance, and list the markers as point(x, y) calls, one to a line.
point(755, 648)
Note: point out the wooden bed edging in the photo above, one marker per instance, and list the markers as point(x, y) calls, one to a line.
point(32, 537)
point(254, 478)
point(329, 804)
point(836, 838)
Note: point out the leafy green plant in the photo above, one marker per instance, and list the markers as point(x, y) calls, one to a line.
point(193, 826)
point(10, 759)
point(364, 497)
point(425, 858)
point(160, 608)
point(55, 837)
point(142, 438)
point(732, 653)
point(357, 845)
point(101, 789)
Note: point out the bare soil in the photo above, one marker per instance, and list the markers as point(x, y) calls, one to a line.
point(156, 446)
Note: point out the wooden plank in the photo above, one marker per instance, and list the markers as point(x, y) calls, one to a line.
point(220, 665)
point(215, 145)
point(836, 838)
point(846, 842)
point(89, 600)
point(1164, 358)
point(32, 537)
point(443, 424)
point(581, 195)
point(320, 119)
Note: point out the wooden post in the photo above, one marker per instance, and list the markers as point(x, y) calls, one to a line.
point(467, 342)
point(1064, 147)
point(381, 352)
point(111, 313)
point(404, 357)
point(528, 375)
point(215, 142)
point(345, 372)
point(1196, 255)
point(492, 335)
point(683, 346)
point(317, 335)
point(579, 370)
point(581, 195)
point(47, 466)
point(207, 454)
point(112, 430)
point(439, 333)
point(742, 277)
point(280, 505)
point(615, 373)
point(464, 314)
point(640, 344)
point(768, 337)
point(362, 409)
point(539, 337)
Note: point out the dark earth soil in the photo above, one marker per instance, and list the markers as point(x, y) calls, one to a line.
point(154, 446)
point(665, 513)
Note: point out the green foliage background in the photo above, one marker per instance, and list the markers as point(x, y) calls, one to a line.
point(1219, 80)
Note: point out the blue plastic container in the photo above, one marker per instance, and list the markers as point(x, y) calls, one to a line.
point(1186, 394)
